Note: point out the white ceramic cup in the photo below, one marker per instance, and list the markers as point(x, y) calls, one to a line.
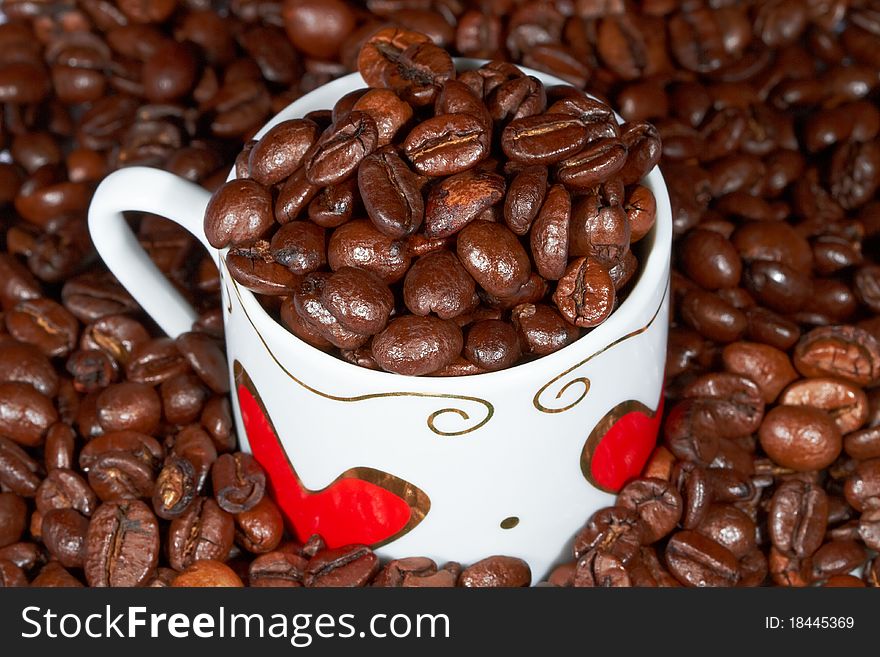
point(511, 462)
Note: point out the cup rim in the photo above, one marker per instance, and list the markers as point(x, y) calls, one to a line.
point(651, 283)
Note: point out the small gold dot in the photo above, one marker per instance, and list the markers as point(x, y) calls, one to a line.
point(509, 523)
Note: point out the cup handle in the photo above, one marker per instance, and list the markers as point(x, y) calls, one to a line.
point(158, 192)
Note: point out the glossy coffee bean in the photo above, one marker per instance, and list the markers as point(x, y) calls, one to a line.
point(800, 437)
point(416, 345)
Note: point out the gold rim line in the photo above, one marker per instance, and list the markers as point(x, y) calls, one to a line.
point(414, 497)
point(490, 409)
point(536, 401)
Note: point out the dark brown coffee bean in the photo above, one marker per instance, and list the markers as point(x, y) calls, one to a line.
point(730, 527)
point(150, 362)
point(11, 575)
point(549, 235)
point(617, 530)
point(585, 294)
point(204, 531)
point(710, 260)
point(45, 324)
point(459, 199)
point(543, 138)
point(280, 152)
point(359, 300)
point(492, 344)
point(239, 213)
point(13, 518)
point(54, 575)
point(862, 487)
point(642, 141)
point(768, 328)
point(798, 517)
point(405, 62)
point(599, 228)
point(19, 473)
point(239, 482)
point(175, 488)
point(349, 566)
point(696, 560)
point(494, 257)
point(64, 535)
point(438, 283)
point(359, 244)
point(800, 437)
point(387, 109)
point(25, 414)
point(277, 569)
point(837, 558)
point(657, 504)
point(129, 406)
point(65, 489)
point(447, 144)
point(524, 199)
point(25, 363)
point(767, 366)
point(122, 544)
point(864, 444)
point(309, 305)
point(341, 149)
point(261, 528)
point(294, 196)
point(497, 572)
point(595, 164)
point(416, 345)
point(391, 193)
point(255, 269)
point(206, 358)
point(542, 329)
point(598, 568)
point(738, 402)
point(846, 403)
point(207, 573)
point(183, 397)
point(844, 351)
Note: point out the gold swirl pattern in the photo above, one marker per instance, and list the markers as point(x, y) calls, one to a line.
point(432, 418)
point(582, 380)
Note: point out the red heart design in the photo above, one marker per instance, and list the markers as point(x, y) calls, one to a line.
point(362, 505)
point(621, 444)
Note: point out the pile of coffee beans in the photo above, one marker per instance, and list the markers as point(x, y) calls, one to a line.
point(115, 439)
point(430, 204)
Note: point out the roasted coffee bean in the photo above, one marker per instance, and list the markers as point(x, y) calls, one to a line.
point(864, 444)
point(657, 504)
point(846, 403)
point(696, 560)
point(837, 558)
point(122, 544)
point(524, 199)
point(416, 345)
point(437, 282)
point(617, 530)
point(595, 164)
point(494, 257)
point(349, 566)
point(65, 489)
point(11, 575)
point(341, 149)
point(45, 324)
point(730, 527)
point(598, 568)
point(359, 244)
point(129, 406)
point(277, 569)
point(585, 294)
point(738, 401)
point(299, 246)
point(239, 213)
point(64, 535)
point(543, 138)
point(798, 517)
point(310, 307)
point(712, 316)
point(492, 345)
point(280, 152)
point(25, 414)
point(391, 193)
point(25, 363)
point(203, 531)
point(175, 488)
point(261, 528)
point(800, 437)
point(599, 227)
point(862, 488)
point(506, 572)
point(206, 358)
point(54, 575)
point(447, 144)
point(844, 351)
point(549, 235)
point(767, 366)
point(13, 518)
point(387, 109)
point(460, 199)
point(149, 362)
point(542, 329)
point(19, 473)
point(710, 260)
point(359, 300)
point(255, 269)
point(207, 573)
point(239, 482)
